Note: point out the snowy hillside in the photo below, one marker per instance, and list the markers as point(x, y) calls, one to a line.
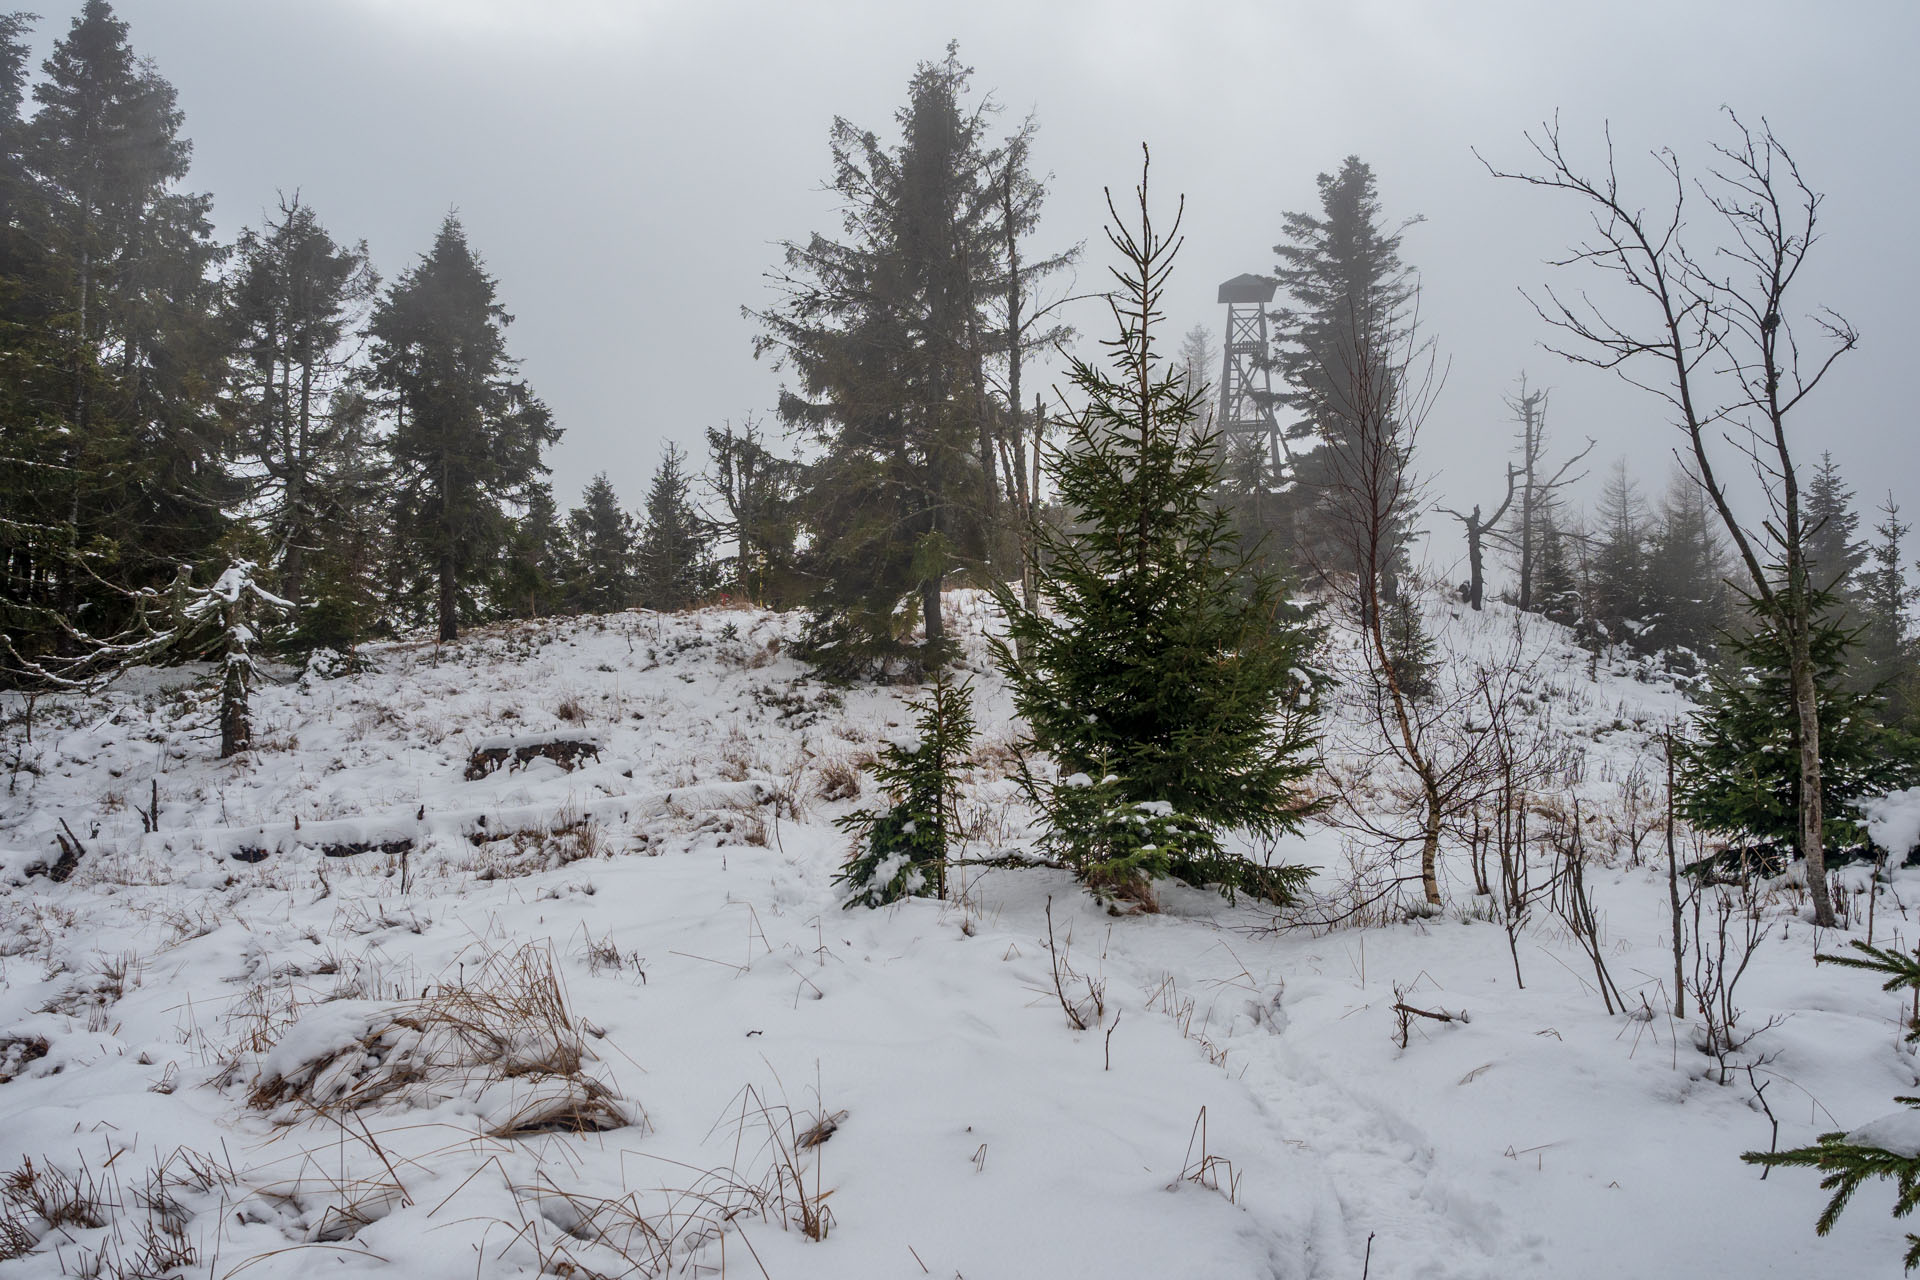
point(611, 1020)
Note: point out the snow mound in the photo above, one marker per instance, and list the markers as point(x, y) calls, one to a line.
point(504, 1043)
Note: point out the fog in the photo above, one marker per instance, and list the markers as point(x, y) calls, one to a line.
point(626, 170)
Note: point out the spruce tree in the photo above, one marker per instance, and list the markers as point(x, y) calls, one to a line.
point(674, 558)
point(348, 519)
point(1350, 299)
point(1200, 366)
point(222, 623)
point(757, 492)
point(1556, 587)
point(902, 850)
point(1685, 581)
point(1739, 773)
point(538, 566)
point(1409, 649)
point(32, 444)
point(886, 332)
point(1617, 586)
point(466, 434)
point(1165, 674)
point(1888, 660)
point(603, 537)
point(122, 357)
point(1833, 552)
point(291, 310)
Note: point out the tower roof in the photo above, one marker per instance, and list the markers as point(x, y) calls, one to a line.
point(1248, 288)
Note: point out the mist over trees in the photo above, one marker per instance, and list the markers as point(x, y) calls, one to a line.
point(371, 450)
point(264, 460)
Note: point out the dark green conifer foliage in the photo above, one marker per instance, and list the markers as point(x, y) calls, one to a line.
point(1556, 588)
point(293, 302)
point(1617, 570)
point(1850, 1159)
point(1834, 553)
point(1409, 648)
point(1739, 773)
point(123, 357)
point(602, 578)
point(539, 563)
point(1686, 576)
point(757, 492)
point(1350, 299)
point(349, 514)
point(675, 563)
point(1888, 661)
point(1163, 659)
point(31, 444)
point(902, 850)
point(883, 329)
point(467, 435)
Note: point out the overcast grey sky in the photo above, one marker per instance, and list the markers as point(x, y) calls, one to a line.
point(626, 167)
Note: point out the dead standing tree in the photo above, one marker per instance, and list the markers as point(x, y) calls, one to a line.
point(1537, 488)
point(1726, 362)
point(1477, 530)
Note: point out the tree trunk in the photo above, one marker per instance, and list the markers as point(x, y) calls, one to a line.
point(1529, 456)
point(1430, 837)
point(1476, 579)
point(936, 626)
point(1806, 706)
point(449, 600)
point(236, 730)
point(1422, 764)
point(1673, 897)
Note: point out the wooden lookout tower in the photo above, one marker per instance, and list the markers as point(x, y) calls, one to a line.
point(1246, 383)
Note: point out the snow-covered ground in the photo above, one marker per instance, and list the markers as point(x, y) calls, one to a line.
point(380, 1064)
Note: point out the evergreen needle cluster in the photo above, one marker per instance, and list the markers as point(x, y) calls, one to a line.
point(902, 849)
point(1884, 1149)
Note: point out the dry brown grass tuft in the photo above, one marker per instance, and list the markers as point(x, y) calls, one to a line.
point(503, 1036)
point(839, 777)
point(570, 838)
point(44, 1209)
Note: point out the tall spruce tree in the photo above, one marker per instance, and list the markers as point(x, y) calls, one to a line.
point(1349, 300)
point(1199, 362)
point(348, 515)
point(115, 278)
point(31, 444)
point(883, 329)
point(604, 540)
point(466, 435)
point(675, 562)
point(1165, 672)
point(291, 309)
